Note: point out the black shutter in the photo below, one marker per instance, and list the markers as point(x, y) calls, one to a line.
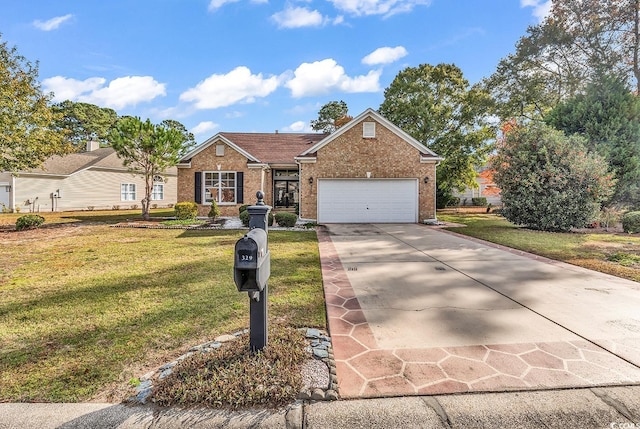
point(198, 187)
point(240, 187)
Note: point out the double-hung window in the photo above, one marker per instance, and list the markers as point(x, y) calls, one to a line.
point(157, 193)
point(219, 186)
point(128, 192)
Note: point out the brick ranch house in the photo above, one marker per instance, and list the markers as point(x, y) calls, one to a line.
point(369, 170)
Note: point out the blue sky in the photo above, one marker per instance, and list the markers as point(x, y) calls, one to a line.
point(253, 65)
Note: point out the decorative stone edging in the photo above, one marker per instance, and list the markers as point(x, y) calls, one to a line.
point(319, 347)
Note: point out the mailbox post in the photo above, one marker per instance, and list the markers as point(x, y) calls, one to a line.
point(251, 271)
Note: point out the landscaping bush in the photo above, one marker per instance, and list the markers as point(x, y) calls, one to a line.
point(479, 201)
point(29, 221)
point(286, 220)
point(214, 212)
point(453, 201)
point(186, 210)
point(244, 218)
point(243, 208)
point(631, 222)
point(549, 181)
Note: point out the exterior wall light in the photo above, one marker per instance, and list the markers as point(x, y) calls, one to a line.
point(311, 180)
point(426, 179)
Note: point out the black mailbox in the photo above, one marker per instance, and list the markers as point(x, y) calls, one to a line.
point(252, 262)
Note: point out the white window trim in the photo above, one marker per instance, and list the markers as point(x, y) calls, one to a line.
point(153, 192)
point(128, 191)
point(368, 130)
point(204, 188)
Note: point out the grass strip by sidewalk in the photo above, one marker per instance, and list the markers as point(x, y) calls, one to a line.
point(611, 253)
point(86, 309)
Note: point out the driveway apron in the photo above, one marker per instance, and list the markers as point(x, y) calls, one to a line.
point(414, 310)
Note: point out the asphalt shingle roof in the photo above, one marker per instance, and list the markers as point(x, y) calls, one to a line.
point(72, 163)
point(274, 148)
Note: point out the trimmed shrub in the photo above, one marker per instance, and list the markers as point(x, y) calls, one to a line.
point(549, 181)
point(30, 221)
point(243, 208)
point(214, 212)
point(186, 210)
point(453, 201)
point(286, 219)
point(631, 222)
point(244, 218)
point(479, 201)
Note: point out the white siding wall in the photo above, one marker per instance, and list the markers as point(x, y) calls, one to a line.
point(88, 188)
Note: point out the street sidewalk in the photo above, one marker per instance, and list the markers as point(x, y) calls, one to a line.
point(604, 407)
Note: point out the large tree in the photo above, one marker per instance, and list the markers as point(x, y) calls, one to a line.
point(607, 115)
point(27, 132)
point(149, 149)
point(437, 106)
point(556, 59)
point(84, 122)
point(549, 181)
point(331, 116)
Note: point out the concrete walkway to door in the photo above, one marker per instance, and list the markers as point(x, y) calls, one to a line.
point(416, 311)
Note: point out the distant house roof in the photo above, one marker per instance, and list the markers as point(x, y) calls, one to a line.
point(72, 163)
point(103, 158)
point(268, 148)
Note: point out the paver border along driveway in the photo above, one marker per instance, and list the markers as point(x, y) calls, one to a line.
point(416, 310)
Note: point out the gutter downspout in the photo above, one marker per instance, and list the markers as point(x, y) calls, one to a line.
point(12, 200)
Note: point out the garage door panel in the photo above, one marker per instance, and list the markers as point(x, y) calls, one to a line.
point(367, 201)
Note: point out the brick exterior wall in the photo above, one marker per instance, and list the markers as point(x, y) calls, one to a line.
point(207, 160)
point(348, 156)
point(352, 156)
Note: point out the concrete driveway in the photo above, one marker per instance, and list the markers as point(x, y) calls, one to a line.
point(416, 310)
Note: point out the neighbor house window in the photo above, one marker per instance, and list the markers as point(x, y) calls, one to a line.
point(158, 192)
point(219, 186)
point(368, 129)
point(128, 191)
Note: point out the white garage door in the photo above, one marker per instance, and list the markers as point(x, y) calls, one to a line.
point(367, 200)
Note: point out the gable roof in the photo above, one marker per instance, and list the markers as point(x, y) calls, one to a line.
point(271, 148)
point(381, 119)
point(72, 163)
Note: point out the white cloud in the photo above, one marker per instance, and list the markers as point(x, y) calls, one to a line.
point(51, 24)
point(378, 7)
point(385, 55)
point(297, 127)
point(541, 8)
point(322, 77)
point(217, 4)
point(239, 85)
point(120, 93)
point(297, 17)
point(204, 127)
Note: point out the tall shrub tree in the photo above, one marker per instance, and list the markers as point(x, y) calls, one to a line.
point(27, 132)
point(557, 58)
point(331, 116)
point(84, 122)
point(548, 180)
point(607, 115)
point(437, 106)
point(149, 149)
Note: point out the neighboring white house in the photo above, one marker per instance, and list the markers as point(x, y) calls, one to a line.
point(95, 179)
point(486, 188)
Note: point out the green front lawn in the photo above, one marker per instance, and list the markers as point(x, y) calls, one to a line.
point(612, 253)
point(87, 308)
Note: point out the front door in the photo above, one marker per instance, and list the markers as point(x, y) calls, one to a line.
point(286, 193)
